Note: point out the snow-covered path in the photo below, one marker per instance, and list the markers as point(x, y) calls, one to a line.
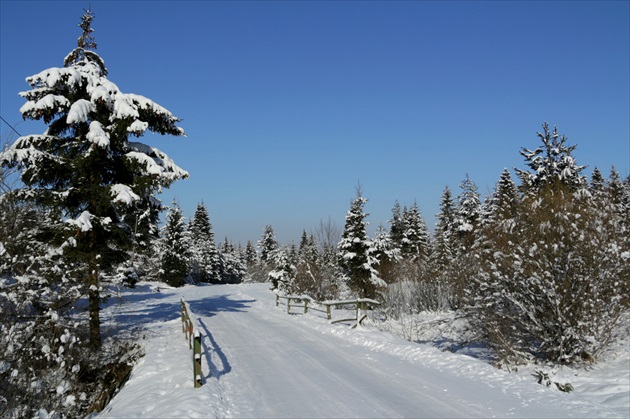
point(297, 373)
point(262, 362)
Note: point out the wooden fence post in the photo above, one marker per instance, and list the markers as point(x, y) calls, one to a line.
point(197, 360)
point(288, 305)
point(277, 300)
point(305, 306)
point(328, 312)
point(183, 310)
point(190, 333)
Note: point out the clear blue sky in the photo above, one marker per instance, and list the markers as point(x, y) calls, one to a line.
point(287, 105)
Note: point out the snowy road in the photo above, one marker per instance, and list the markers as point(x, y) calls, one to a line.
point(282, 368)
point(262, 362)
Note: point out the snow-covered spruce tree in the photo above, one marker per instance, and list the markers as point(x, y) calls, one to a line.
point(397, 228)
point(387, 253)
point(356, 254)
point(503, 204)
point(251, 256)
point(467, 214)
point(282, 274)
point(266, 246)
point(444, 235)
point(306, 268)
point(204, 258)
point(466, 224)
point(550, 163)
point(444, 248)
point(85, 166)
point(415, 243)
point(550, 282)
point(175, 248)
point(618, 197)
point(231, 264)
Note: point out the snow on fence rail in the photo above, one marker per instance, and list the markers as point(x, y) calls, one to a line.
point(360, 305)
point(194, 341)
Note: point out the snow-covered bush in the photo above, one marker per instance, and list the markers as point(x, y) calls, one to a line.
point(409, 297)
point(552, 276)
point(46, 362)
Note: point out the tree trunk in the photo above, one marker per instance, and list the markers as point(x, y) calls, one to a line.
point(94, 310)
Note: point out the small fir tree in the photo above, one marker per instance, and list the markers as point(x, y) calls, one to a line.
point(356, 254)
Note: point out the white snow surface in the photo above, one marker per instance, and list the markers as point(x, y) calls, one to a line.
point(259, 361)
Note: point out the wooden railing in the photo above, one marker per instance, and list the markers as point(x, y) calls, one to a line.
point(194, 341)
point(360, 305)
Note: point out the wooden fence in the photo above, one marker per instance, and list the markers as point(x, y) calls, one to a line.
point(194, 341)
point(360, 305)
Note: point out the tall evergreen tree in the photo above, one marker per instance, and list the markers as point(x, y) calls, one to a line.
point(231, 267)
point(175, 248)
point(468, 213)
point(356, 254)
point(397, 227)
point(442, 251)
point(282, 276)
point(503, 204)
point(204, 258)
point(387, 254)
point(415, 246)
point(86, 167)
point(251, 256)
point(550, 163)
point(267, 244)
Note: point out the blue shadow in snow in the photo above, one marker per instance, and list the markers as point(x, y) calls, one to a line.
point(215, 370)
point(136, 310)
point(209, 307)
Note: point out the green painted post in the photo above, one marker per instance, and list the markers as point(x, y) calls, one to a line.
point(197, 360)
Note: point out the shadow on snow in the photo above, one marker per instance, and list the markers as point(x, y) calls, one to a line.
point(209, 307)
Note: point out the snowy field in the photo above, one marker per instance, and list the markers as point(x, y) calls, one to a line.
point(261, 362)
